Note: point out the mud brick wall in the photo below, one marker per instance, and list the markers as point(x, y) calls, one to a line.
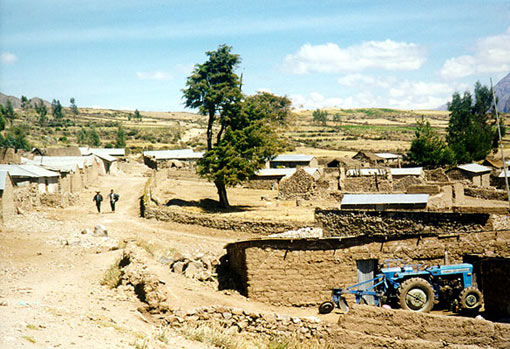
point(365, 184)
point(303, 272)
point(7, 207)
point(486, 194)
point(360, 222)
point(372, 327)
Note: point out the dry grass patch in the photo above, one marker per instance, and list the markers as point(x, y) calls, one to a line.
point(113, 275)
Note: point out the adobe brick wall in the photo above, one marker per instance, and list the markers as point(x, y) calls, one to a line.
point(372, 327)
point(360, 222)
point(303, 272)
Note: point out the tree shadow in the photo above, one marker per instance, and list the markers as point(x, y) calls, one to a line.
point(208, 205)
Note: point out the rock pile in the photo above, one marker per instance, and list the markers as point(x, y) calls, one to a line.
point(299, 185)
point(260, 324)
point(200, 267)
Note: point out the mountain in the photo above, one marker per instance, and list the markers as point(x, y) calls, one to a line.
point(16, 102)
point(502, 92)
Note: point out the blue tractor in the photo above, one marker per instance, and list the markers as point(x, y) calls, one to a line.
point(415, 288)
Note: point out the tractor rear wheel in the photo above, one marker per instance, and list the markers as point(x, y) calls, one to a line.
point(416, 294)
point(471, 299)
point(326, 307)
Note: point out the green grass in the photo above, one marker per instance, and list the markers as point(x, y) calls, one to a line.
point(29, 339)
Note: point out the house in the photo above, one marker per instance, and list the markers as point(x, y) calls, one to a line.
point(75, 171)
point(114, 152)
point(164, 158)
point(478, 175)
point(293, 161)
point(25, 174)
point(398, 173)
point(382, 202)
point(7, 208)
point(368, 157)
point(390, 158)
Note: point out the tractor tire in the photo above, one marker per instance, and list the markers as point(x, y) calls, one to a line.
point(326, 307)
point(416, 294)
point(471, 299)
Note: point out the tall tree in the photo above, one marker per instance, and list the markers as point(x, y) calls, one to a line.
point(138, 115)
point(120, 137)
point(74, 108)
point(56, 109)
point(8, 112)
point(25, 103)
point(320, 116)
point(472, 128)
point(2, 118)
point(428, 149)
point(93, 137)
point(240, 131)
point(42, 111)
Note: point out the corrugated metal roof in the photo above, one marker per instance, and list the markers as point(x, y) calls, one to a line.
point(502, 174)
point(474, 168)
point(407, 171)
point(61, 163)
point(109, 151)
point(354, 172)
point(283, 172)
point(105, 156)
point(292, 157)
point(177, 154)
point(380, 199)
point(3, 179)
point(388, 156)
point(29, 171)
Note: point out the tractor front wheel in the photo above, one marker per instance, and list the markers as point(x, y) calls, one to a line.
point(416, 294)
point(471, 299)
point(326, 307)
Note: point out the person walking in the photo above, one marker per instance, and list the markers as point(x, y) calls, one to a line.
point(98, 198)
point(113, 199)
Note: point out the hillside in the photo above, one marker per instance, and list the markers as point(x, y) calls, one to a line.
point(502, 92)
point(344, 132)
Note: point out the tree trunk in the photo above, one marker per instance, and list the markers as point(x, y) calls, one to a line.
point(222, 193)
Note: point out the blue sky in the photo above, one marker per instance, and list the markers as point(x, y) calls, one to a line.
point(127, 54)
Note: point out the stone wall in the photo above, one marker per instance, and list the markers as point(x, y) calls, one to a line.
point(303, 272)
point(486, 193)
point(365, 184)
point(358, 222)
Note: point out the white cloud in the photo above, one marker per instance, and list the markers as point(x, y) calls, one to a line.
point(330, 58)
point(157, 75)
point(359, 80)
point(377, 92)
point(8, 58)
point(491, 55)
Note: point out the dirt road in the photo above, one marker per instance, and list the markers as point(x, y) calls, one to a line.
point(50, 292)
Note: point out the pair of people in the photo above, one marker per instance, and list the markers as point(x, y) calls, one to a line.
point(98, 198)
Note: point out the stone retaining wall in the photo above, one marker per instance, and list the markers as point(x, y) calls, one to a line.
point(359, 222)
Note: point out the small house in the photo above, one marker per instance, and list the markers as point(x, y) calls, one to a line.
point(398, 173)
point(23, 175)
point(478, 175)
point(368, 158)
point(293, 161)
point(165, 158)
point(269, 178)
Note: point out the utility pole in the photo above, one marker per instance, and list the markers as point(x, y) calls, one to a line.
point(501, 145)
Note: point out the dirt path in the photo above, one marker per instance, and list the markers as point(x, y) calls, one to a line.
point(50, 292)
